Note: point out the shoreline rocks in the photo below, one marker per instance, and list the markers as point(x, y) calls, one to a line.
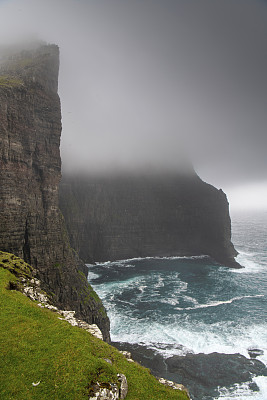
point(202, 374)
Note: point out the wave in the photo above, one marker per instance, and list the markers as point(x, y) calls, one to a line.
point(128, 260)
point(92, 275)
point(243, 391)
point(166, 337)
point(142, 288)
point(249, 254)
point(252, 262)
point(218, 303)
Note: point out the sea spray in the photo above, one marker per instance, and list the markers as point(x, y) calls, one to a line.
point(181, 305)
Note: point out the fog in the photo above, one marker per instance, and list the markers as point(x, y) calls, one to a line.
point(149, 83)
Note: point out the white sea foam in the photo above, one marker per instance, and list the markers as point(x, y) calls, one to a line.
point(128, 260)
point(190, 299)
point(160, 282)
point(173, 301)
point(92, 275)
point(243, 391)
point(174, 330)
point(219, 303)
point(142, 288)
point(252, 262)
point(178, 333)
point(197, 337)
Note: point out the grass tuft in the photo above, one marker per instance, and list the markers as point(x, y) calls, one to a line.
point(8, 81)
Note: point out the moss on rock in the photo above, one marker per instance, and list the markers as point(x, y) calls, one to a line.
point(9, 81)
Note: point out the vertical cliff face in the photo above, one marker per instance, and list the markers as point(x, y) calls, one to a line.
point(31, 225)
point(147, 215)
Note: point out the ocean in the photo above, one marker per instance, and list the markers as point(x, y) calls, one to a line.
point(189, 305)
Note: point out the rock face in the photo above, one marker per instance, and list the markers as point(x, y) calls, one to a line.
point(31, 225)
point(120, 217)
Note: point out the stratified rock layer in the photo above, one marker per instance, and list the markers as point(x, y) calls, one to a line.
point(31, 225)
point(147, 215)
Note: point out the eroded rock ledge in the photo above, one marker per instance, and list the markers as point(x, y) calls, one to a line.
point(32, 289)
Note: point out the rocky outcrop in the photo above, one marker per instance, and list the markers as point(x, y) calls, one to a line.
point(26, 283)
point(110, 391)
point(127, 216)
point(204, 374)
point(31, 224)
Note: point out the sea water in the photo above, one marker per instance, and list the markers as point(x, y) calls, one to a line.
point(164, 303)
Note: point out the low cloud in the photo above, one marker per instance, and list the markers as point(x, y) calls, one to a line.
point(150, 83)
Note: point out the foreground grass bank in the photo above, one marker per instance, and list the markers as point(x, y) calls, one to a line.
point(43, 357)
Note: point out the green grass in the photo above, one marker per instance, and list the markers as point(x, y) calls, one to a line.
point(36, 346)
point(8, 81)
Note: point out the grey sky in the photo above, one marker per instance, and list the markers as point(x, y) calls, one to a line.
point(142, 79)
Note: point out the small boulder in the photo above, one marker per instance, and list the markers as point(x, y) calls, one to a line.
point(124, 386)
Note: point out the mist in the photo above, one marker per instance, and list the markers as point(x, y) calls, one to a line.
point(158, 85)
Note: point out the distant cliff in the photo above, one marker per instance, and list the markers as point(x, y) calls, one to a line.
point(31, 225)
point(119, 217)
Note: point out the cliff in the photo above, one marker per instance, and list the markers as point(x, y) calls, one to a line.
point(31, 224)
point(120, 217)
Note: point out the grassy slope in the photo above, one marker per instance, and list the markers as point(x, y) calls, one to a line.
point(36, 346)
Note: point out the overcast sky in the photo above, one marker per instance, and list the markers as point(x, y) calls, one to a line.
point(144, 81)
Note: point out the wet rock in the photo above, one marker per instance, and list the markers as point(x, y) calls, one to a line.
point(146, 357)
point(254, 352)
point(204, 373)
point(254, 387)
point(201, 374)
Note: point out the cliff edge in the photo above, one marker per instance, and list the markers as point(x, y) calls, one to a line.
point(31, 224)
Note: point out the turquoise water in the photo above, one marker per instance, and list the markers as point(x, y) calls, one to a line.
point(164, 303)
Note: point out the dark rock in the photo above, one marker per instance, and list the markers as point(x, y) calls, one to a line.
point(144, 356)
point(253, 352)
point(203, 373)
point(31, 224)
point(120, 217)
point(254, 387)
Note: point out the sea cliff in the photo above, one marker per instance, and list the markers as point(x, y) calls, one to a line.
point(31, 224)
point(146, 215)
